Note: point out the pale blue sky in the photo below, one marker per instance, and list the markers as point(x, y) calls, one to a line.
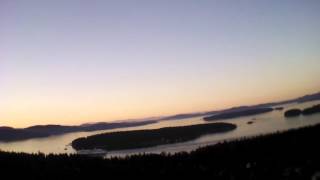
point(76, 61)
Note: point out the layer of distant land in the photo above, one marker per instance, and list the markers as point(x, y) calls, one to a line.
point(239, 113)
point(12, 134)
point(306, 98)
point(293, 154)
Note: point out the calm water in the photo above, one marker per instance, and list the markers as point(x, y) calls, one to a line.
point(264, 123)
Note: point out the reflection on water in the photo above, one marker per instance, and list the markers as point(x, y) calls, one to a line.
point(264, 123)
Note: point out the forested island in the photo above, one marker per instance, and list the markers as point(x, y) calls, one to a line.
point(148, 138)
point(293, 154)
point(308, 111)
point(311, 110)
point(238, 113)
point(293, 113)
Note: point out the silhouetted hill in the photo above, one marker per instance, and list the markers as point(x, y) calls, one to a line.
point(238, 112)
point(306, 98)
point(311, 97)
point(52, 129)
point(114, 125)
point(191, 115)
point(11, 134)
point(181, 116)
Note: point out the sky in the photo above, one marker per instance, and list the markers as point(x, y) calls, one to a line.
point(78, 61)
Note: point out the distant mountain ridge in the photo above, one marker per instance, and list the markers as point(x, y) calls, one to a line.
point(309, 98)
point(12, 134)
point(306, 98)
point(238, 113)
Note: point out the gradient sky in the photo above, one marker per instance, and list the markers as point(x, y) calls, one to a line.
point(76, 61)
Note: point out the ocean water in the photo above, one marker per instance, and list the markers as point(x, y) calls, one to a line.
point(262, 124)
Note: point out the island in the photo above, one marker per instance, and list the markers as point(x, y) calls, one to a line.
point(293, 113)
point(238, 113)
point(149, 138)
point(308, 111)
point(311, 110)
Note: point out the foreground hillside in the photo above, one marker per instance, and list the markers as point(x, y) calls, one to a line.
point(290, 155)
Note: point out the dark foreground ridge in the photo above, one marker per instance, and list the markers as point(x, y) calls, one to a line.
point(290, 155)
point(149, 138)
point(239, 113)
